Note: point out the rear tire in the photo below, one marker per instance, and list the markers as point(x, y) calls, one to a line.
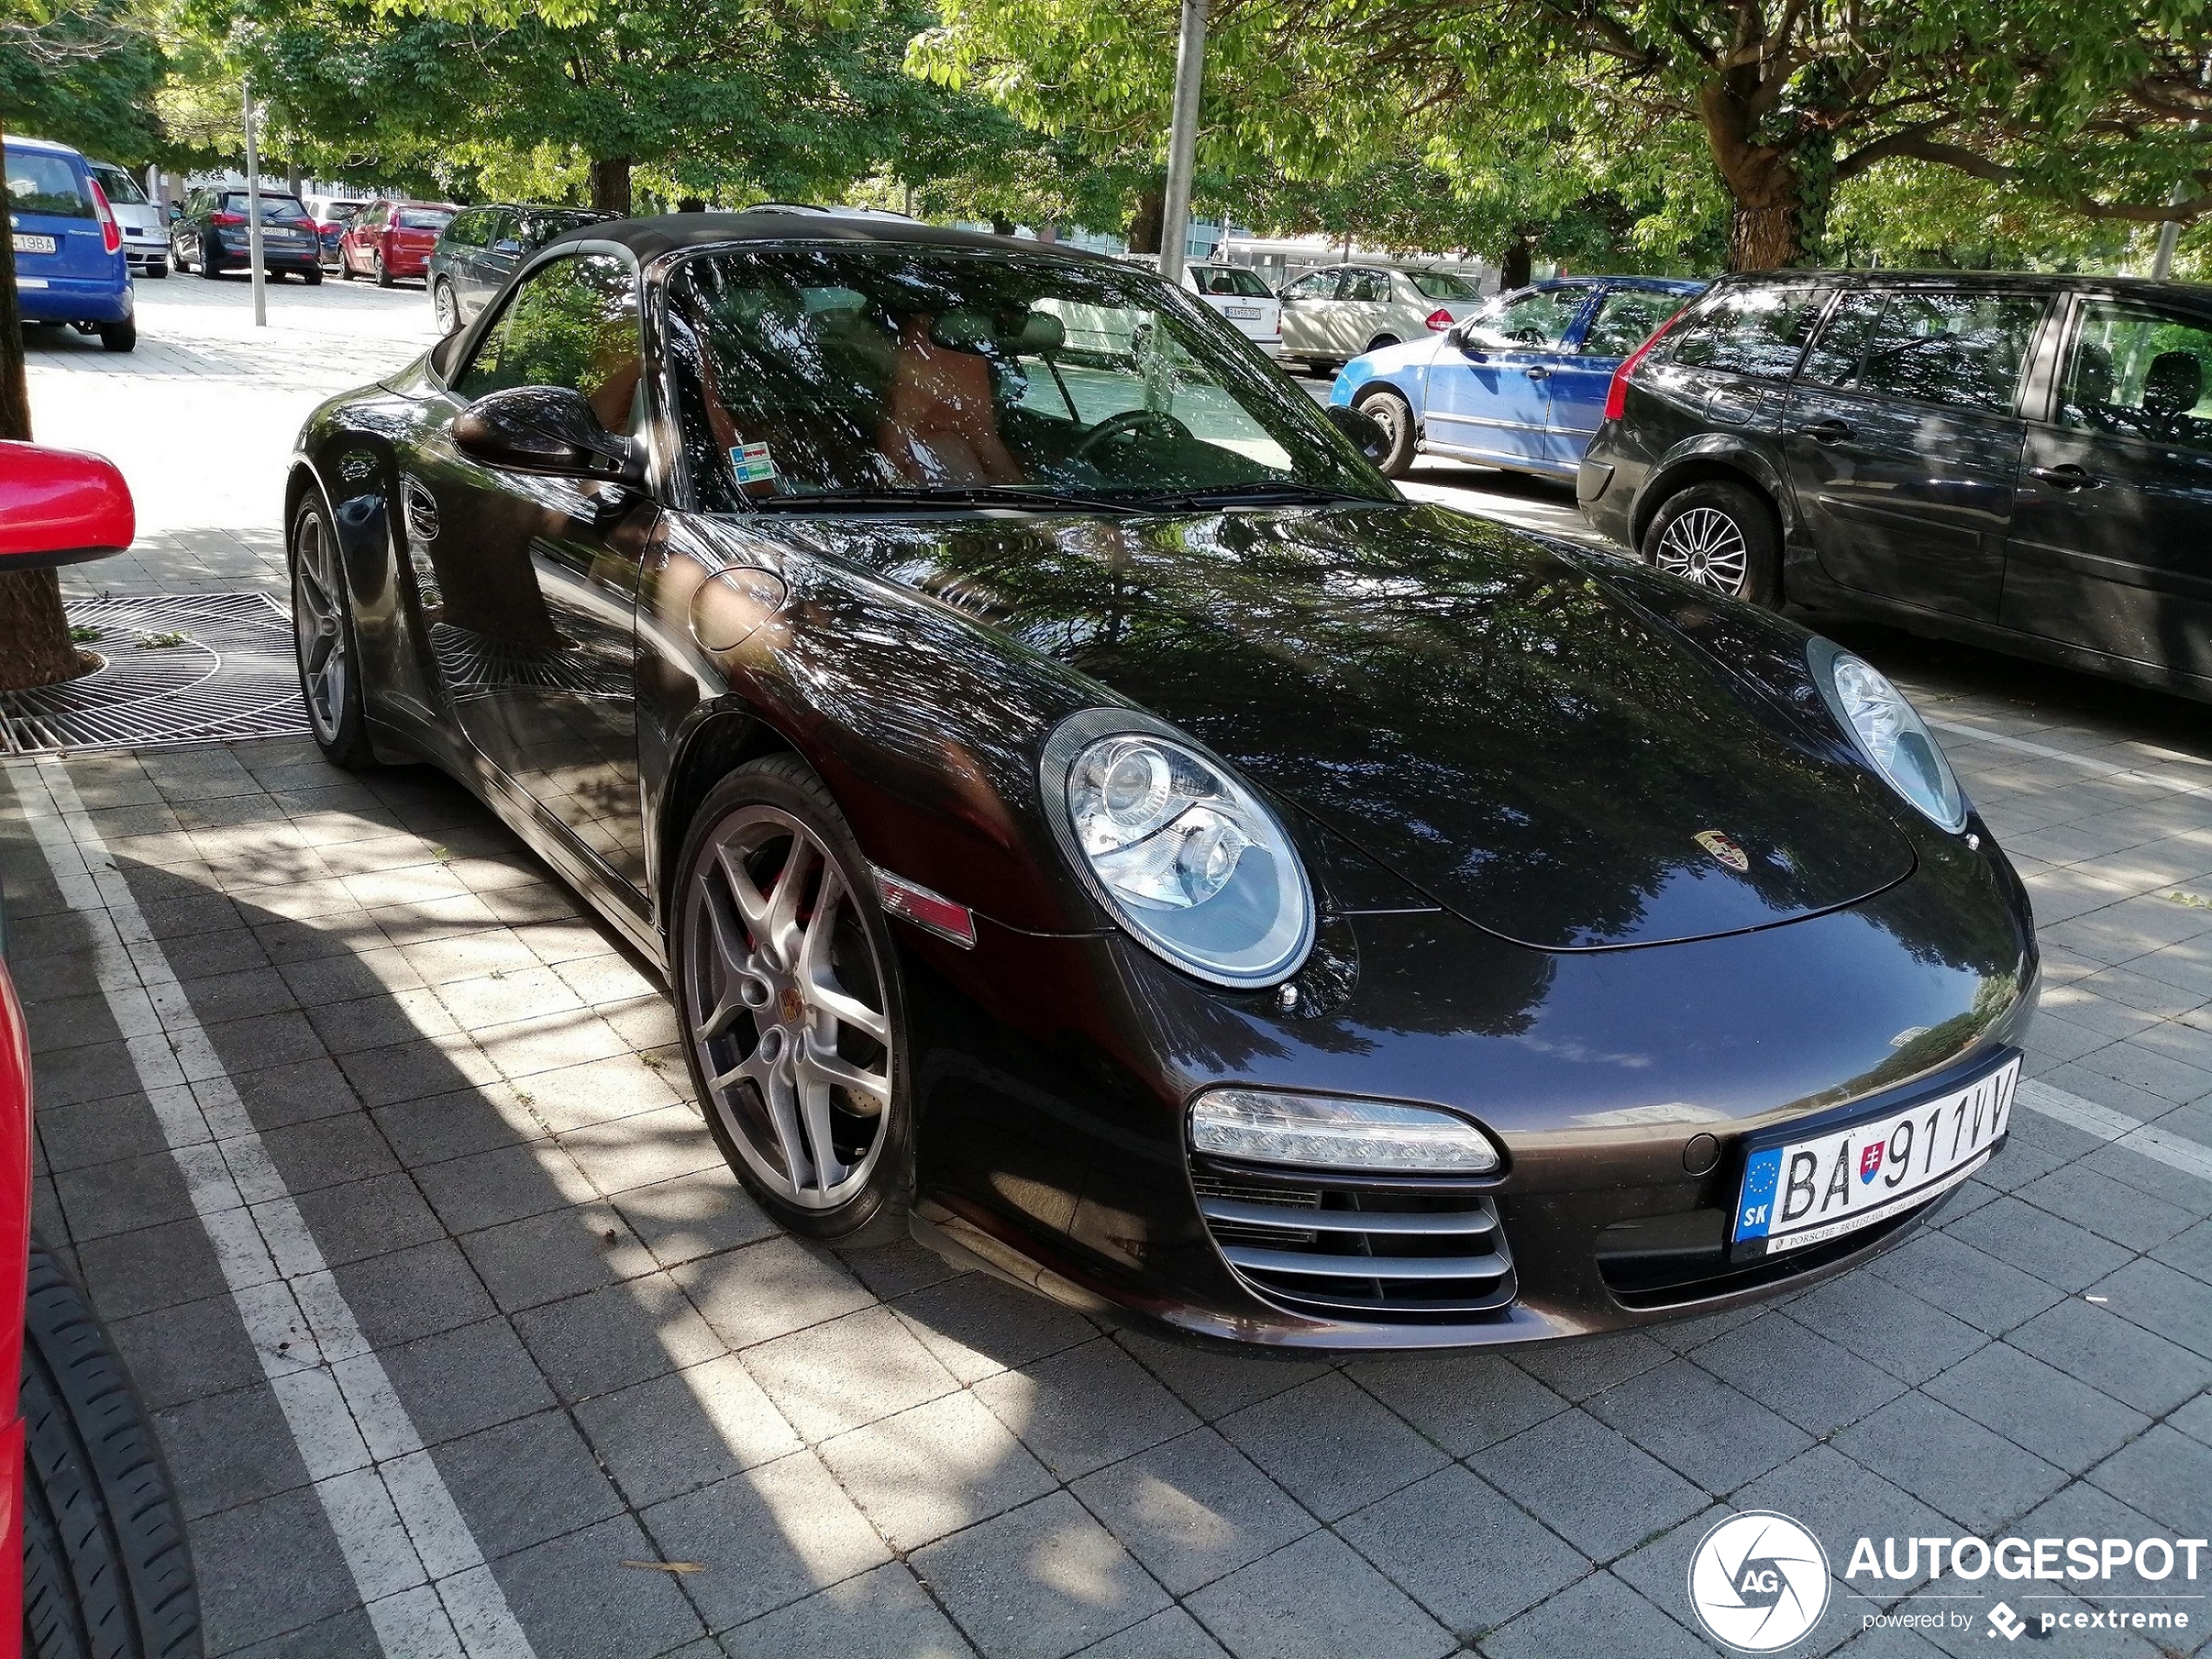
point(1381, 340)
point(445, 307)
point(758, 1002)
point(383, 276)
point(107, 1573)
point(323, 641)
point(312, 279)
point(119, 336)
point(1720, 536)
point(208, 268)
point(1390, 410)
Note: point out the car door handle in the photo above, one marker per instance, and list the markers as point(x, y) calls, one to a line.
point(1830, 431)
point(1539, 372)
point(2067, 476)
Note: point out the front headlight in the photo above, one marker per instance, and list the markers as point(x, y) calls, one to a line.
point(1889, 731)
point(1185, 856)
point(1336, 1132)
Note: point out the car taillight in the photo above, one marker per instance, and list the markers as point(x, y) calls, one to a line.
point(1616, 393)
point(1440, 319)
point(226, 219)
point(111, 232)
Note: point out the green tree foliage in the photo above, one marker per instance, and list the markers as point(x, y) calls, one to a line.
point(2089, 105)
point(81, 74)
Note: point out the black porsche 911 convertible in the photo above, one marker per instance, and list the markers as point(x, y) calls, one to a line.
point(1087, 817)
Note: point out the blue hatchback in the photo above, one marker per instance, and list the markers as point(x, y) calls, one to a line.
point(69, 264)
point(1520, 386)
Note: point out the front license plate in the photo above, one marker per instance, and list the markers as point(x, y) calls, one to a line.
point(26, 243)
point(1804, 1192)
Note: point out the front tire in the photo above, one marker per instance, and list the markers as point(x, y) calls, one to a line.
point(1719, 535)
point(322, 628)
point(1391, 411)
point(107, 1570)
point(787, 985)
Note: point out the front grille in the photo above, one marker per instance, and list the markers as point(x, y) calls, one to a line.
point(1358, 1252)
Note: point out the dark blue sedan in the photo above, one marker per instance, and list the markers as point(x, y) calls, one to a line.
point(1520, 386)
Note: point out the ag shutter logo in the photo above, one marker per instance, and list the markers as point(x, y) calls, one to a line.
point(1758, 1582)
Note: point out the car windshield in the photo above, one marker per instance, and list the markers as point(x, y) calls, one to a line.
point(122, 189)
point(275, 210)
point(39, 183)
point(1441, 284)
point(897, 372)
point(1229, 279)
point(423, 218)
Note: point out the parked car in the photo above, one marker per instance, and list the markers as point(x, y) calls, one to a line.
point(2024, 463)
point(1239, 295)
point(69, 265)
point(1522, 384)
point(1333, 316)
point(389, 240)
point(331, 214)
point(1090, 820)
point(480, 248)
point(145, 234)
point(209, 231)
point(93, 1556)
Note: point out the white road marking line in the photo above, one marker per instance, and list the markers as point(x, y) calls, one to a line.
point(2175, 1151)
point(2088, 763)
point(421, 1573)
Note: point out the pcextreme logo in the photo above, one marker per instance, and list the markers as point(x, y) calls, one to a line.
point(1758, 1582)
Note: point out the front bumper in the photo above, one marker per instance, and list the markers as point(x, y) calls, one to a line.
point(1053, 1141)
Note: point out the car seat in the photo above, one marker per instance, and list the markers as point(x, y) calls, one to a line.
point(942, 426)
point(2172, 387)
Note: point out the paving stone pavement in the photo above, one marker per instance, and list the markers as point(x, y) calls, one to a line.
point(472, 1098)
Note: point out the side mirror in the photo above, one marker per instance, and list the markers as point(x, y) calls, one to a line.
point(1364, 431)
point(60, 507)
point(547, 429)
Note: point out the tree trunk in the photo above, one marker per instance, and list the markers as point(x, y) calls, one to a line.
point(35, 648)
point(291, 177)
point(611, 185)
point(1766, 183)
point(1513, 268)
point(1151, 212)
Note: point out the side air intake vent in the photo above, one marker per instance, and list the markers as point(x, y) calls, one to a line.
point(1358, 1252)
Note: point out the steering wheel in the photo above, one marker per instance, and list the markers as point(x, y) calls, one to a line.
point(1127, 421)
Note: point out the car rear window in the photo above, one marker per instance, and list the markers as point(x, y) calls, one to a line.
point(1755, 331)
point(423, 218)
point(1441, 284)
point(275, 210)
point(1229, 279)
point(122, 189)
point(45, 184)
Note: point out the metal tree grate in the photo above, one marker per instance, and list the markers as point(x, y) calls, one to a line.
point(234, 676)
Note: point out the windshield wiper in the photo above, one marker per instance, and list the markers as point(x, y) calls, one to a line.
point(1259, 489)
point(982, 496)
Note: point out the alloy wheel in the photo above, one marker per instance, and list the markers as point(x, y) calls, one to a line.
point(318, 595)
point(448, 311)
point(1705, 546)
point(787, 1008)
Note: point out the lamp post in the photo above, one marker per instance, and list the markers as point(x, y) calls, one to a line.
point(1183, 140)
point(253, 214)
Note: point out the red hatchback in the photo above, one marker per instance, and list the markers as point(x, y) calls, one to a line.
point(388, 239)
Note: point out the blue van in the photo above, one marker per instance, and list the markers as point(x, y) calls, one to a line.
point(1520, 386)
point(69, 264)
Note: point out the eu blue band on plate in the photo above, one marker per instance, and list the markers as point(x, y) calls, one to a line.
point(1755, 1215)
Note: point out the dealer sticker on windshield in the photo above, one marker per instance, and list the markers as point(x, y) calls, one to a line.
point(753, 463)
point(1807, 1191)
